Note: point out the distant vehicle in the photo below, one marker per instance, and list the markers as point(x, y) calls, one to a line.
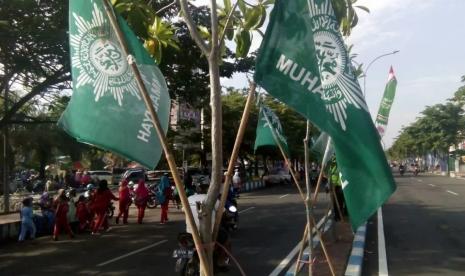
point(101, 175)
point(134, 175)
point(118, 174)
point(277, 177)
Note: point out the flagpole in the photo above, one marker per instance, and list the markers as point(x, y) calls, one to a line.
point(309, 209)
point(156, 123)
point(291, 170)
point(233, 158)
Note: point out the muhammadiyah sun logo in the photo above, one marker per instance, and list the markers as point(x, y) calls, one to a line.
point(98, 58)
point(339, 84)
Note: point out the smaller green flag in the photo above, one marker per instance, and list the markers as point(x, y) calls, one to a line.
point(269, 130)
point(319, 146)
point(386, 103)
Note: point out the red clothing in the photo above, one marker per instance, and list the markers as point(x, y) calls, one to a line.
point(164, 211)
point(124, 202)
point(61, 220)
point(82, 213)
point(143, 193)
point(102, 199)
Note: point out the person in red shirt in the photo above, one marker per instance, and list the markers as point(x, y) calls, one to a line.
point(61, 211)
point(124, 202)
point(102, 198)
point(142, 194)
point(82, 213)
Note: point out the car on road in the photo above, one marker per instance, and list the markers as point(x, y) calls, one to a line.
point(279, 176)
point(101, 175)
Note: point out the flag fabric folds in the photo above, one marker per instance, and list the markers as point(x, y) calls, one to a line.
point(386, 103)
point(106, 109)
point(269, 130)
point(319, 147)
point(303, 62)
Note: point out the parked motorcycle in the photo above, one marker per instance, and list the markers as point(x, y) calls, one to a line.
point(153, 201)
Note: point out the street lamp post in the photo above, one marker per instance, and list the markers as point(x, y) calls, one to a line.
point(368, 67)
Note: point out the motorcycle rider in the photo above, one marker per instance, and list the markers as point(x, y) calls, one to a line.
point(223, 236)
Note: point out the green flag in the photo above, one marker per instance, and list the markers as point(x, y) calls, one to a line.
point(269, 130)
point(319, 147)
point(106, 109)
point(303, 62)
point(386, 103)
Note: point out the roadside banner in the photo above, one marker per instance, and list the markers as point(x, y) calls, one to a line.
point(303, 62)
point(386, 103)
point(106, 109)
point(269, 130)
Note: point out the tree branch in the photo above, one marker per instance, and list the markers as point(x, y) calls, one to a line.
point(227, 22)
point(193, 29)
point(166, 7)
point(214, 25)
point(58, 77)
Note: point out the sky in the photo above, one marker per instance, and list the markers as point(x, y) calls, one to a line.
point(430, 37)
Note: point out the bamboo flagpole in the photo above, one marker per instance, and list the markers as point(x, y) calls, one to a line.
point(234, 154)
point(156, 123)
point(291, 170)
point(308, 207)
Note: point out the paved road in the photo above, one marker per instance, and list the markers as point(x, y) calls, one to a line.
point(424, 224)
point(271, 223)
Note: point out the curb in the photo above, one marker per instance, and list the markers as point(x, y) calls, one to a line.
point(354, 265)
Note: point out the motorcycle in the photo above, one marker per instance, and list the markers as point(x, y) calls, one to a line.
point(230, 216)
point(401, 171)
point(153, 201)
point(188, 263)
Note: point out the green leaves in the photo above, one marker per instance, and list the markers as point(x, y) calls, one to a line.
point(346, 15)
point(243, 41)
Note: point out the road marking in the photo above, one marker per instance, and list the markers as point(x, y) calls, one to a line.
point(419, 180)
point(432, 185)
point(450, 192)
point(293, 252)
point(382, 260)
point(245, 210)
point(283, 195)
point(132, 253)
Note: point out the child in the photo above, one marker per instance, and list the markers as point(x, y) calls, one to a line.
point(101, 201)
point(61, 212)
point(124, 202)
point(142, 194)
point(27, 225)
point(82, 213)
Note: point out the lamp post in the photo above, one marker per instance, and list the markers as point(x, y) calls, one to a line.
point(368, 67)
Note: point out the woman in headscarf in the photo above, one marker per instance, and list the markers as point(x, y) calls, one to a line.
point(124, 202)
point(142, 194)
point(102, 199)
point(61, 211)
point(165, 192)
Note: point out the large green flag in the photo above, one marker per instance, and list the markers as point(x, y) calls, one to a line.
point(386, 103)
point(269, 130)
point(303, 62)
point(106, 109)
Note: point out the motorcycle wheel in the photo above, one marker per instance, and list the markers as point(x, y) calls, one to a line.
point(152, 203)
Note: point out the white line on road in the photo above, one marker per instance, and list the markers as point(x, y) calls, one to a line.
point(132, 253)
point(432, 185)
point(294, 252)
point(450, 192)
point(382, 261)
point(283, 195)
point(245, 210)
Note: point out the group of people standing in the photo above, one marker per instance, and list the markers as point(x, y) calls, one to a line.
point(76, 214)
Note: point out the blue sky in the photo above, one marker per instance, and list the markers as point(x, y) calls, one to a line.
point(430, 35)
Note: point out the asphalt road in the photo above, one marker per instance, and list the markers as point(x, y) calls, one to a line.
point(424, 225)
point(271, 224)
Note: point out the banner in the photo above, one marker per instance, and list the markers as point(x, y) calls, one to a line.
point(386, 103)
point(106, 109)
point(303, 62)
point(269, 130)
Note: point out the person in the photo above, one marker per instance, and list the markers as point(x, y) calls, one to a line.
point(27, 224)
point(223, 237)
point(101, 201)
point(82, 213)
point(48, 185)
point(165, 194)
point(72, 218)
point(335, 180)
point(61, 211)
point(141, 197)
point(124, 202)
point(85, 179)
point(236, 182)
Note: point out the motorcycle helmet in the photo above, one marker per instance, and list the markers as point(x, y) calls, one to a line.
point(90, 187)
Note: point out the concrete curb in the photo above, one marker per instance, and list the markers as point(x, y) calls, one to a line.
point(354, 265)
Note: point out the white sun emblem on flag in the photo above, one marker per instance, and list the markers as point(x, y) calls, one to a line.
point(340, 87)
point(99, 60)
